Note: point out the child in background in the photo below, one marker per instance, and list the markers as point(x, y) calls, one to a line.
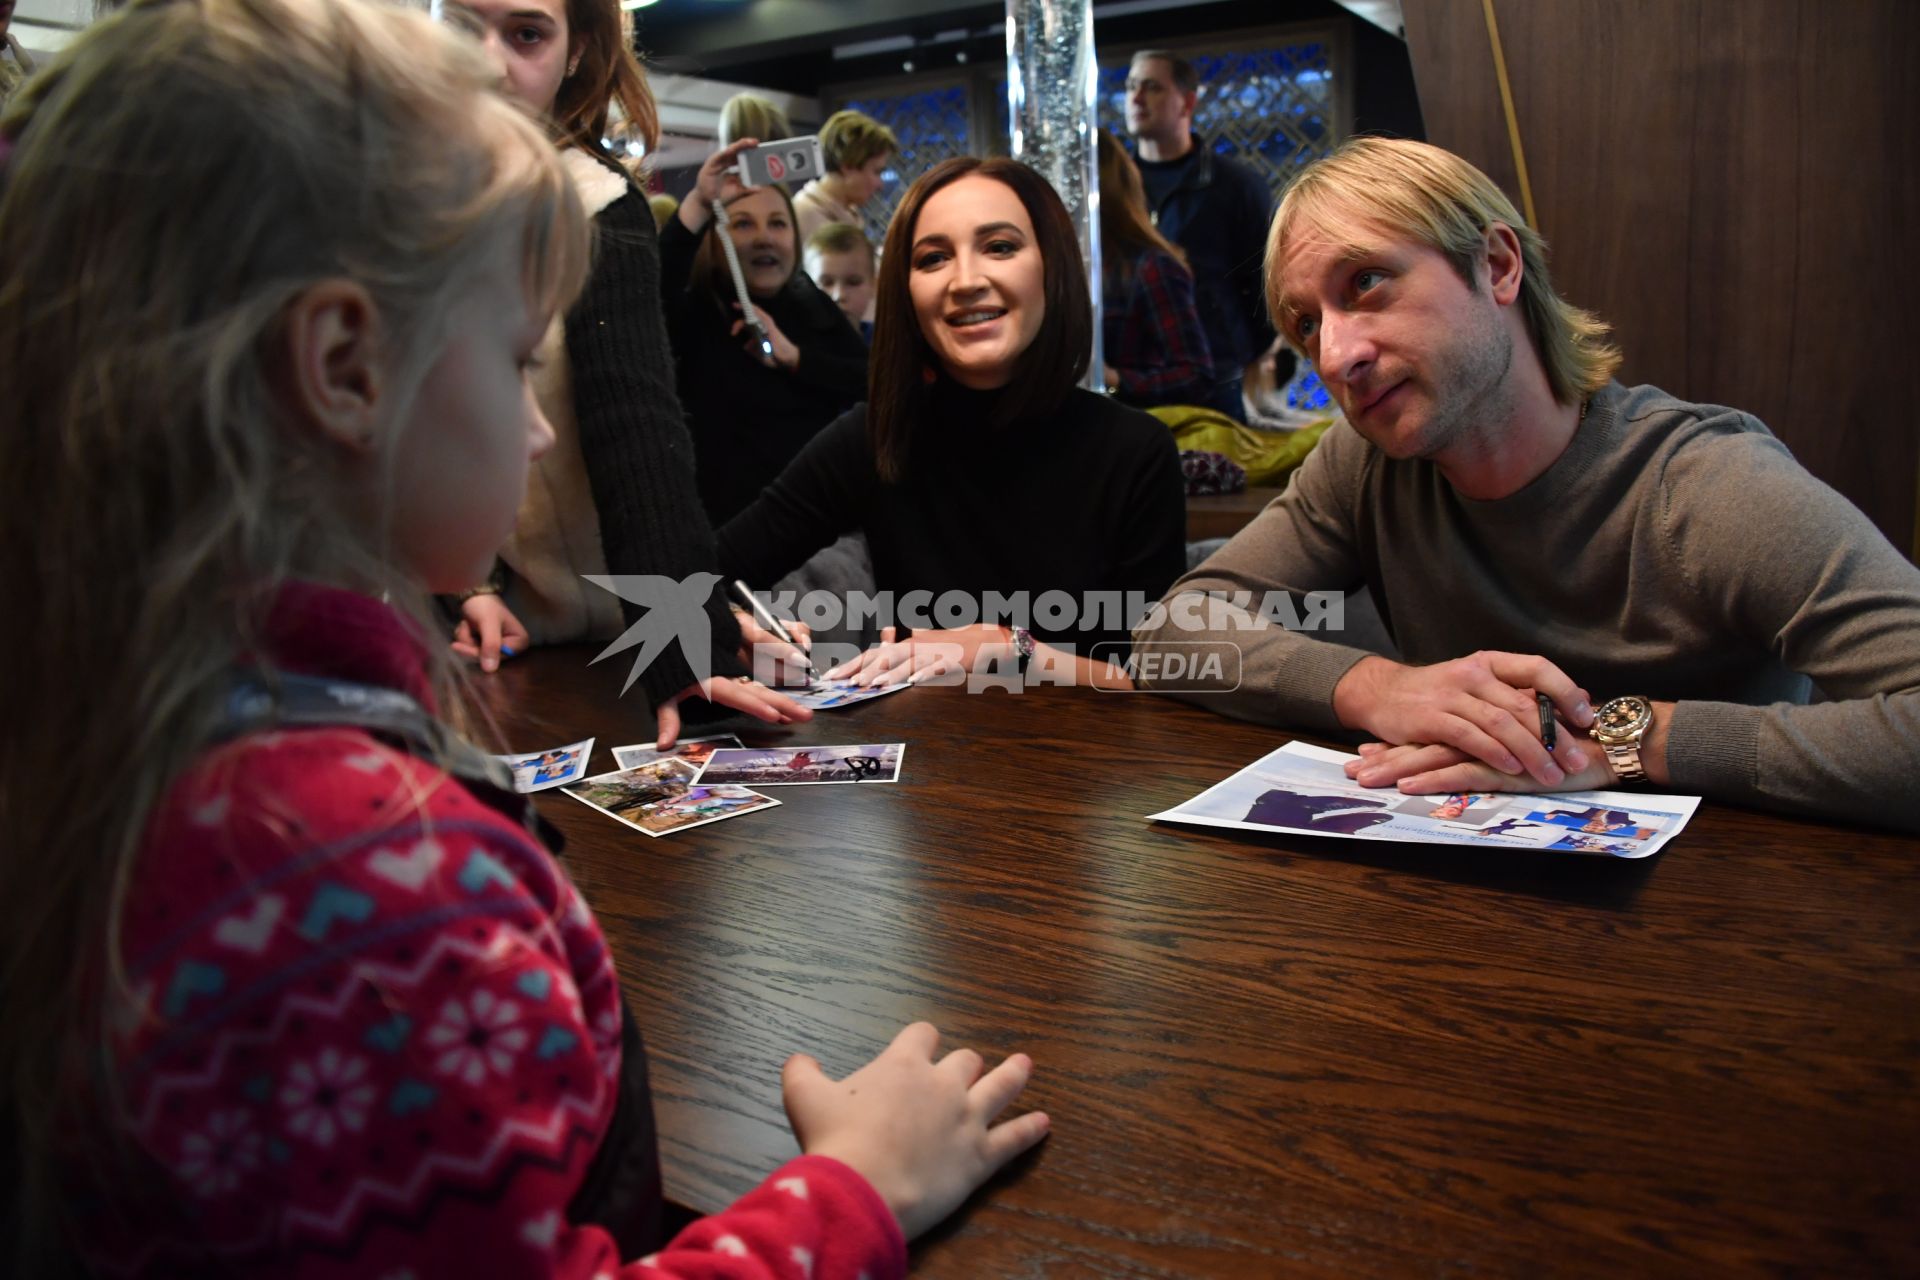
point(840, 260)
point(292, 986)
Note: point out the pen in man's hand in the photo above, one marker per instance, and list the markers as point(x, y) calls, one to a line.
point(1547, 728)
point(771, 623)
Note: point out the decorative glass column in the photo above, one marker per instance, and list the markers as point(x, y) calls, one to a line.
point(1051, 81)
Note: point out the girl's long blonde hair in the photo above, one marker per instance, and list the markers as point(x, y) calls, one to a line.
point(169, 185)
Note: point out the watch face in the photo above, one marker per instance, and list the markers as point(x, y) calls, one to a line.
point(1621, 718)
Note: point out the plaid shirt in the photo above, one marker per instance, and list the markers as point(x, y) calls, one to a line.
point(1152, 337)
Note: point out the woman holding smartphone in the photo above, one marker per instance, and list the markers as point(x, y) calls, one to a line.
point(750, 407)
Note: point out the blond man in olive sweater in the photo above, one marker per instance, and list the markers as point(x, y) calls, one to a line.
point(1529, 525)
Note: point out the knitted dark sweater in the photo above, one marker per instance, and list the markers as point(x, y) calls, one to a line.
point(634, 439)
point(747, 420)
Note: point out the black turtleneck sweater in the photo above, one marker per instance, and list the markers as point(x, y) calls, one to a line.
point(748, 421)
point(1088, 498)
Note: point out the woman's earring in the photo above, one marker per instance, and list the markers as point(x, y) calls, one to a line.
point(573, 64)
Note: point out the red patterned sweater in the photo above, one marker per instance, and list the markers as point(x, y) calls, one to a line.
point(382, 1031)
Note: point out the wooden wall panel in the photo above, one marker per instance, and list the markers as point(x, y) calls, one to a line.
point(1743, 306)
point(1732, 184)
point(1855, 392)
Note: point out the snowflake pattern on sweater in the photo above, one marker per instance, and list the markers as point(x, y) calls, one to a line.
point(375, 1031)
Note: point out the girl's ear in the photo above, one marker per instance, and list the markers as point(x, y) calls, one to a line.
point(331, 363)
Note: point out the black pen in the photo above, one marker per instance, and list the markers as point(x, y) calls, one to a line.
point(770, 622)
point(1547, 731)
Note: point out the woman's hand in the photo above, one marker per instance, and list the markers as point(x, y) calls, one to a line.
point(788, 662)
point(740, 693)
point(929, 653)
point(921, 1132)
point(785, 354)
point(488, 631)
point(713, 182)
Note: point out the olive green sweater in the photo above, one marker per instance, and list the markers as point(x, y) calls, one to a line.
point(1673, 550)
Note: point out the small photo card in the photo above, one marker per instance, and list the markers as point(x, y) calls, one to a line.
point(538, 770)
point(1463, 808)
point(805, 766)
point(693, 750)
point(1597, 820)
point(662, 797)
point(831, 695)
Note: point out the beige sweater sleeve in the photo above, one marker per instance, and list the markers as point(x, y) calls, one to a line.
point(1793, 564)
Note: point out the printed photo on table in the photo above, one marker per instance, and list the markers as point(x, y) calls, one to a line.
point(1300, 787)
point(662, 796)
point(625, 792)
point(698, 805)
point(1597, 820)
point(693, 750)
point(539, 770)
point(803, 766)
point(1469, 808)
point(827, 695)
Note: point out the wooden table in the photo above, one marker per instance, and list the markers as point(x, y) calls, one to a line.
point(1275, 1056)
point(1223, 515)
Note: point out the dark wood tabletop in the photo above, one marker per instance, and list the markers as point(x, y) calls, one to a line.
point(1273, 1055)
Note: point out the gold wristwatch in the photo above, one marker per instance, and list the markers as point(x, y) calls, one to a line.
point(1618, 726)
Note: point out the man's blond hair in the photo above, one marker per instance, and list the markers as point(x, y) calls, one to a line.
point(1435, 198)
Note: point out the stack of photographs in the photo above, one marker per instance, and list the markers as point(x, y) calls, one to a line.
point(665, 795)
point(701, 780)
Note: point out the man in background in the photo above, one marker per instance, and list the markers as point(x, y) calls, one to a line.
point(1214, 208)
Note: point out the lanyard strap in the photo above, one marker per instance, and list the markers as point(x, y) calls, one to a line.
point(257, 702)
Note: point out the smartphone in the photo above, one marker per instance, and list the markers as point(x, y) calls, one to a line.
point(789, 160)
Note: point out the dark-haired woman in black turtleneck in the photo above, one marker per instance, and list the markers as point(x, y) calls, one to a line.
point(978, 466)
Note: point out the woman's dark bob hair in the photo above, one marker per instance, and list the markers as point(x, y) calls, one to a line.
point(899, 375)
